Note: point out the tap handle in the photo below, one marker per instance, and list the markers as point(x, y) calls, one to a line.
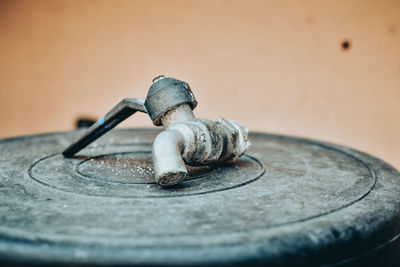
point(120, 112)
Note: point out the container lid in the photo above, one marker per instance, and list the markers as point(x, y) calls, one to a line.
point(286, 201)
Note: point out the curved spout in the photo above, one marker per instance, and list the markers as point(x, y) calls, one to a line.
point(169, 166)
point(194, 142)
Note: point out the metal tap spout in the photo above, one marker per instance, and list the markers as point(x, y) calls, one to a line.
point(192, 141)
point(186, 140)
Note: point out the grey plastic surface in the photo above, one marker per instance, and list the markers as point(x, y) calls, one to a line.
point(287, 201)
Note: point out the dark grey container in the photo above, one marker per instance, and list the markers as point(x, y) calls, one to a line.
point(287, 201)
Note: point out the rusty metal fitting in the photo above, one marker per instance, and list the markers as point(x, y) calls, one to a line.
point(165, 94)
point(186, 139)
point(194, 142)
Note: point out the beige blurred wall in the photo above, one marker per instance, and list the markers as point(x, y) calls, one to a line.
point(276, 66)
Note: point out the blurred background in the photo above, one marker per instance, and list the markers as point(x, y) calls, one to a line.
point(328, 70)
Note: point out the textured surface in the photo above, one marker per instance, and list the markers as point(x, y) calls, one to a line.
point(287, 200)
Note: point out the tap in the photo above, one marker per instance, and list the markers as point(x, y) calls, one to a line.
point(186, 140)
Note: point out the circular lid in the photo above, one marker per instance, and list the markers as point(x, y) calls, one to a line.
point(287, 200)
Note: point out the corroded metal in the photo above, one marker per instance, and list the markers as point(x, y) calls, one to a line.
point(194, 141)
point(186, 140)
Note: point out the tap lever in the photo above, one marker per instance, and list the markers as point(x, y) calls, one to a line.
point(120, 112)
